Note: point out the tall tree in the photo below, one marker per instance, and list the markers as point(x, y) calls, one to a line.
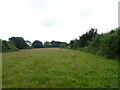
point(19, 42)
point(87, 37)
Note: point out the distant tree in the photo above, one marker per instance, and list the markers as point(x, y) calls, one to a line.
point(63, 45)
point(74, 44)
point(56, 43)
point(19, 42)
point(85, 38)
point(8, 46)
point(53, 44)
point(37, 44)
point(47, 44)
point(71, 44)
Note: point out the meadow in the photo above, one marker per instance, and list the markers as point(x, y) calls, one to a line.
point(56, 68)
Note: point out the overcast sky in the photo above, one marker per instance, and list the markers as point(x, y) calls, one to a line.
point(60, 20)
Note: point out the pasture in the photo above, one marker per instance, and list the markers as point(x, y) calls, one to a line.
point(56, 68)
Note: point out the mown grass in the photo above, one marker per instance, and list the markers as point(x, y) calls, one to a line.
point(55, 68)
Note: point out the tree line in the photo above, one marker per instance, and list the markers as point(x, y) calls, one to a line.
point(18, 43)
point(105, 44)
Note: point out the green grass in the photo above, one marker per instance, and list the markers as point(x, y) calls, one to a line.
point(55, 68)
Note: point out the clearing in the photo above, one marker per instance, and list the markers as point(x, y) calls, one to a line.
point(56, 68)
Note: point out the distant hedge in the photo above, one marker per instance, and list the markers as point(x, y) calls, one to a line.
point(7, 46)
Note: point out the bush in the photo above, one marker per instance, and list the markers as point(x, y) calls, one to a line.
point(8, 46)
point(106, 44)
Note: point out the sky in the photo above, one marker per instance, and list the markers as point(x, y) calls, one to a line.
point(59, 20)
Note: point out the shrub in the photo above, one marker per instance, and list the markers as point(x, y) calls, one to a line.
point(8, 46)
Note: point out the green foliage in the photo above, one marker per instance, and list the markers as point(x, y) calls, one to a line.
point(8, 46)
point(74, 44)
point(19, 42)
point(87, 37)
point(54, 44)
point(37, 44)
point(64, 45)
point(71, 44)
point(47, 44)
point(105, 44)
point(83, 40)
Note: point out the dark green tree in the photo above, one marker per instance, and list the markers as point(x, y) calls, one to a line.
point(56, 44)
point(53, 44)
point(37, 44)
point(71, 44)
point(85, 38)
point(19, 42)
point(47, 44)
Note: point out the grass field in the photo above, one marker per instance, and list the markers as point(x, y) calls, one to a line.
point(55, 68)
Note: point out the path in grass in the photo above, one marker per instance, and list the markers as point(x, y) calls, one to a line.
point(44, 68)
